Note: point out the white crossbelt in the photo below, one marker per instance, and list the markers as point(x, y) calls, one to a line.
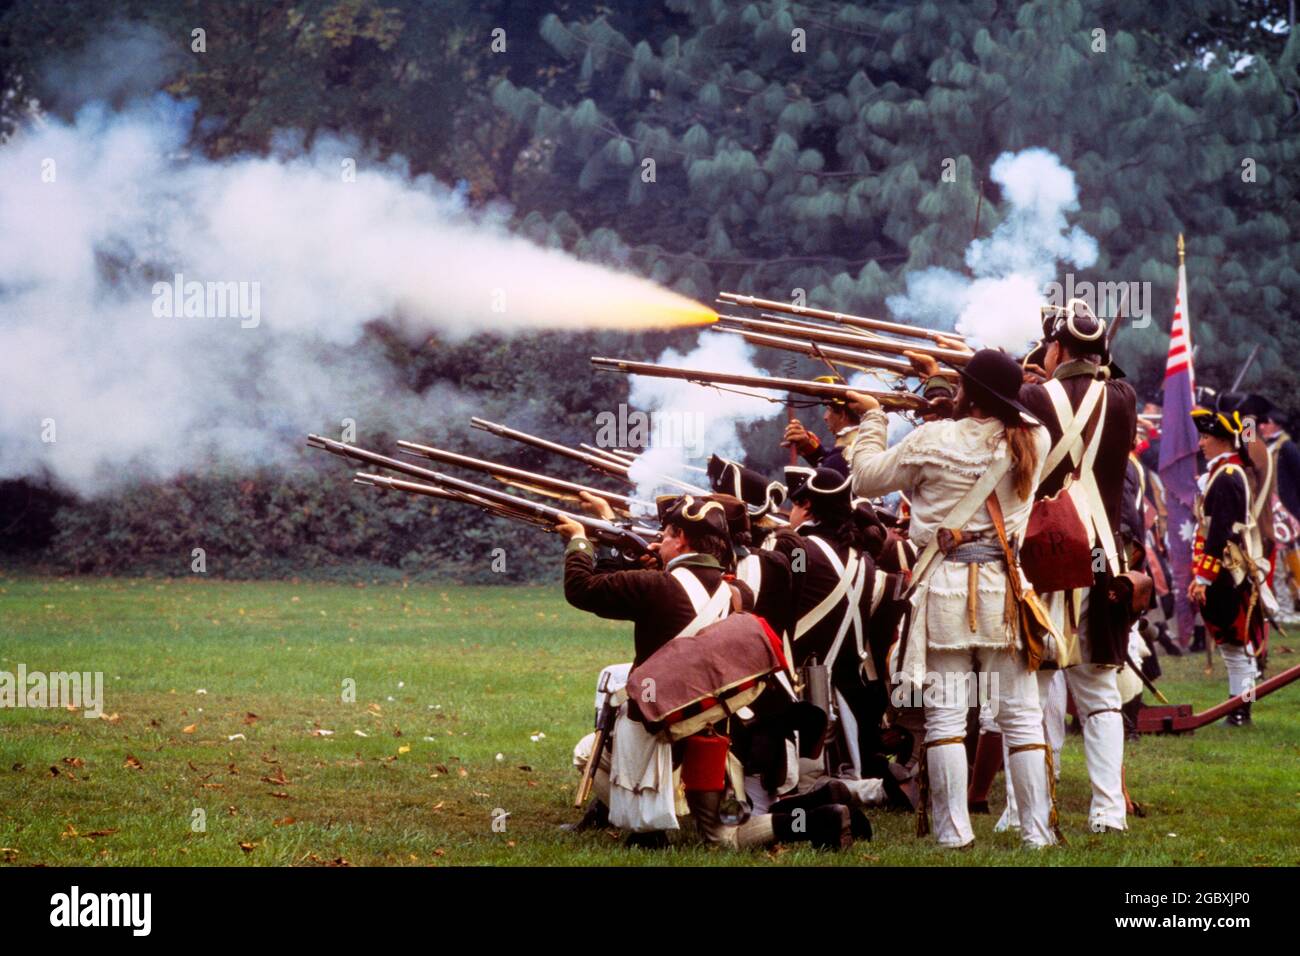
point(1072, 424)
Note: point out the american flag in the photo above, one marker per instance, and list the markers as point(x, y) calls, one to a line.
point(1178, 448)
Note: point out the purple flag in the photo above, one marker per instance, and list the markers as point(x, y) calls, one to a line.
point(1178, 446)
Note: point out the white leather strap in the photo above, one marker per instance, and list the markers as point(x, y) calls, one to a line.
point(854, 574)
point(708, 607)
point(1072, 422)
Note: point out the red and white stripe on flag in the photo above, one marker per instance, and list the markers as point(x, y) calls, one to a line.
point(1180, 336)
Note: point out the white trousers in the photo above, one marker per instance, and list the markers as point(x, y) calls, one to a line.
point(1095, 689)
point(1013, 704)
point(1240, 662)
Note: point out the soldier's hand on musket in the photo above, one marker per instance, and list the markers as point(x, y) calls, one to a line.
point(860, 403)
point(1035, 374)
point(596, 506)
point(925, 366)
point(804, 441)
point(569, 529)
point(1196, 593)
point(956, 345)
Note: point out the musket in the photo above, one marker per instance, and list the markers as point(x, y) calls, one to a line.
point(632, 541)
point(895, 401)
point(443, 485)
point(847, 339)
point(1245, 367)
point(862, 361)
point(604, 728)
point(528, 480)
point(839, 318)
point(625, 457)
point(598, 462)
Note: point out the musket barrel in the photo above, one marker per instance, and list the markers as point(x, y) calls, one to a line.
point(530, 479)
point(598, 462)
point(839, 318)
point(847, 339)
point(851, 357)
point(594, 461)
point(891, 400)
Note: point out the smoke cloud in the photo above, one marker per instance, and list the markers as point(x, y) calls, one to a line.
point(999, 306)
point(159, 310)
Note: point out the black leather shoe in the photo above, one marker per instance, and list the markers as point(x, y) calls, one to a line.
point(596, 818)
point(655, 840)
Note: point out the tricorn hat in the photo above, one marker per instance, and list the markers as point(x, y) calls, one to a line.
point(1075, 326)
point(761, 496)
point(693, 513)
point(826, 484)
point(1221, 421)
point(993, 379)
point(737, 515)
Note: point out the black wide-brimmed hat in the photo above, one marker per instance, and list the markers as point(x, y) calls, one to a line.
point(761, 496)
point(697, 514)
point(993, 379)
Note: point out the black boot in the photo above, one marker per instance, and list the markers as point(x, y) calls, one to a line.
point(1130, 714)
point(1244, 710)
point(825, 794)
point(827, 827)
point(1198, 638)
point(653, 840)
point(1166, 645)
point(596, 818)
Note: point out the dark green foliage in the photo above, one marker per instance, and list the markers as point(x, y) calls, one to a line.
point(318, 524)
point(775, 169)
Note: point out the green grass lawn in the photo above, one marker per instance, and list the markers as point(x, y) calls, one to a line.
point(452, 685)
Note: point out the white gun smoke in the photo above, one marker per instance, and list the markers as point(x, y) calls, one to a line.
point(997, 306)
point(121, 356)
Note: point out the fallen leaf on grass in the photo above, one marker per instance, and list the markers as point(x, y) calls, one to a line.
point(236, 737)
point(251, 718)
point(441, 768)
point(248, 847)
point(361, 733)
point(111, 718)
point(74, 761)
point(279, 779)
point(318, 732)
point(8, 854)
point(439, 805)
point(133, 762)
point(463, 772)
point(280, 794)
point(54, 771)
point(190, 729)
point(213, 786)
point(284, 822)
point(404, 749)
point(98, 833)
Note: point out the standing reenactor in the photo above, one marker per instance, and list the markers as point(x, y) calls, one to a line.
point(843, 423)
point(1227, 582)
point(970, 482)
point(1079, 385)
